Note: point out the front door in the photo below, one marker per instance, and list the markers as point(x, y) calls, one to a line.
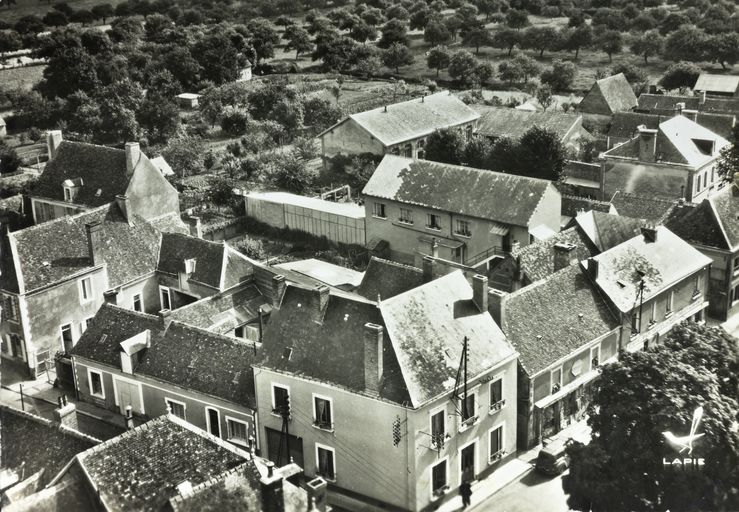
point(128, 394)
point(467, 462)
point(214, 425)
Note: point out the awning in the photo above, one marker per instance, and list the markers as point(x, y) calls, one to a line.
point(443, 242)
point(499, 229)
point(579, 182)
point(542, 232)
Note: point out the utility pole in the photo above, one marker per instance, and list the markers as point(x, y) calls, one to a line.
point(465, 353)
point(285, 434)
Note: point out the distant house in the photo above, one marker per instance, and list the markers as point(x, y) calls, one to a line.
point(652, 209)
point(584, 179)
point(245, 74)
point(717, 85)
point(398, 129)
point(624, 125)
point(712, 227)
point(497, 122)
point(456, 213)
point(667, 104)
point(675, 160)
point(384, 279)
point(572, 206)
point(188, 100)
point(608, 96)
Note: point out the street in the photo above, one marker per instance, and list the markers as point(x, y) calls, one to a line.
point(533, 492)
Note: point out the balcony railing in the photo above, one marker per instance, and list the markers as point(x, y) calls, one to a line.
point(484, 255)
point(497, 456)
point(497, 405)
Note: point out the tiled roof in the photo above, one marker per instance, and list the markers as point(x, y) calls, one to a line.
point(643, 179)
point(385, 279)
point(427, 326)
point(210, 258)
point(329, 273)
point(58, 249)
point(40, 443)
point(650, 208)
point(141, 469)
point(414, 118)
point(555, 317)
point(505, 198)
point(510, 122)
point(616, 91)
point(726, 208)
point(573, 205)
point(712, 223)
point(605, 230)
point(100, 168)
point(539, 260)
point(665, 104)
point(717, 83)
point(624, 124)
point(662, 263)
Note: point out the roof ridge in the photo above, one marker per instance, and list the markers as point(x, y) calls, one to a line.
point(235, 341)
point(587, 199)
point(541, 282)
point(207, 435)
point(90, 144)
point(397, 264)
point(65, 218)
point(476, 170)
point(132, 312)
point(716, 216)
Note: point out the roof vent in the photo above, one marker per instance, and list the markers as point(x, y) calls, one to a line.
point(103, 338)
point(236, 378)
point(581, 316)
point(99, 192)
point(539, 337)
point(46, 263)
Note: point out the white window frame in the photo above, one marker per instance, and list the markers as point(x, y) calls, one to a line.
point(162, 291)
point(376, 207)
point(315, 411)
point(183, 404)
point(232, 439)
point(551, 379)
point(502, 450)
point(207, 421)
point(83, 299)
point(502, 394)
point(429, 217)
point(670, 303)
point(141, 302)
point(475, 466)
point(459, 232)
point(273, 385)
point(85, 323)
point(409, 219)
point(333, 456)
point(595, 349)
point(90, 371)
point(465, 424)
point(653, 314)
point(434, 412)
point(446, 487)
point(61, 334)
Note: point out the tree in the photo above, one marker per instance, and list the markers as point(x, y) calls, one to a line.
point(541, 38)
point(581, 37)
point(361, 32)
point(393, 31)
point(516, 18)
point(218, 58)
point(462, 67)
point(488, 7)
point(125, 30)
point(728, 164)
point(686, 43)
point(477, 152)
point(610, 41)
point(10, 41)
point(484, 72)
point(336, 52)
point(561, 75)
point(292, 174)
point(69, 70)
point(445, 146)
point(320, 113)
point(723, 48)
point(185, 155)
point(397, 12)
point(541, 154)
point(647, 393)
point(673, 22)
point(436, 33)
point(397, 55)
point(438, 58)
point(680, 74)
point(298, 40)
point(503, 155)
point(477, 36)
point(647, 44)
point(160, 117)
point(264, 37)
point(519, 69)
point(29, 24)
point(9, 159)
point(82, 16)
point(506, 39)
point(419, 17)
point(453, 23)
point(545, 96)
point(102, 11)
point(643, 23)
point(55, 19)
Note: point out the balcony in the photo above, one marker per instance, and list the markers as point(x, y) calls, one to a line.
point(497, 406)
point(696, 294)
point(468, 422)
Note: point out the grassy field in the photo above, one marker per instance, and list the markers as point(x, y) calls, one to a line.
point(23, 78)
point(40, 8)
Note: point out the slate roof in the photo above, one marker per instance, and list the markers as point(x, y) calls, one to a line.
point(605, 230)
point(329, 273)
point(140, 469)
point(650, 208)
point(713, 223)
point(555, 317)
point(616, 92)
point(58, 249)
point(413, 118)
point(663, 263)
point(711, 82)
point(385, 279)
point(573, 205)
point(100, 168)
point(427, 325)
point(538, 260)
point(513, 123)
point(505, 198)
point(665, 104)
point(217, 265)
point(624, 124)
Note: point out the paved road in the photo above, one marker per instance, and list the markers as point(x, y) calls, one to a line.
point(532, 493)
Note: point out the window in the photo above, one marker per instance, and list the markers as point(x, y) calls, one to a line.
point(213, 420)
point(556, 379)
point(378, 210)
point(164, 297)
point(325, 462)
point(280, 399)
point(84, 324)
point(698, 286)
point(322, 413)
point(496, 394)
point(496, 443)
point(175, 407)
point(406, 216)
point(463, 228)
point(85, 290)
point(635, 321)
point(698, 187)
point(433, 221)
point(467, 462)
point(138, 305)
point(10, 309)
point(594, 357)
point(668, 304)
point(653, 314)
point(67, 339)
point(438, 429)
point(249, 332)
point(468, 409)
point(438, 478)
point(95, 381)
point(238, 431)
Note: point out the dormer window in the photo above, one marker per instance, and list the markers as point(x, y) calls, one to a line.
point(190, 265)
point(705, 146)
point(71, 188)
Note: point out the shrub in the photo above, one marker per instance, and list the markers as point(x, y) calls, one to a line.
point(252, 247)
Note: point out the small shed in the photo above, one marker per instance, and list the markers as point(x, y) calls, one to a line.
point(244, 74)
point(188, 100)
point(717, 85)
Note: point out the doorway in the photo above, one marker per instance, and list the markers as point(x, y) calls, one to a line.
point(214, 422)
point(467, 462)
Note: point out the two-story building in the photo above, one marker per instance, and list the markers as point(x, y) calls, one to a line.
point(712, 227)
point(667, 104)
point(380, 398)
point(456, 213)
point(624, 125)
point(676, 160)
point(398, 129)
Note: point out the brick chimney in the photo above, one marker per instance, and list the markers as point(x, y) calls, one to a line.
point(129, 418)
point(497, 304)
point(124, 204)
point(649, 232)
point(317, 494)
point(278, 290)
point(691, 114)
point(66, 413)
point(428, 268)
point(480, 292)
point(133, 155)
point(196, 226)
point(95, 240)
point(273, 499)
point(53, 140)
point(165, 318)
point(592, 268)
point(111, 297)
point(679, 107)
point(372, 357)
point(564, 255)
point(647, 143)
point(319, 299)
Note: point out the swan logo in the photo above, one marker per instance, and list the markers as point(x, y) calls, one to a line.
point(685, 444)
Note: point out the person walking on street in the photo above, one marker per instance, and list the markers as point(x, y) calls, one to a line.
point(466, 491)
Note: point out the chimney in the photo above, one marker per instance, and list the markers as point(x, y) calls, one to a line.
point(564, 255)
point(679, 107)
point(196, 226)
point(592, 268)
point(95, 238)
point(480, 292)
point(703, 98)
point(647, 143)
point(515, 246)
point(320, 300)
point(129, 418)
point(66, 413)
point(428, 268)
point(124, 204)
point(273, 499)
point(372, 357)
point(165, 318)
point(111, 297)
point(260, 312)
point(53, 140)
point(691, 114)
point(496, 305)
point(133, 155)
point(317, 494)
point(385, 109)
point(278, 290)
point(650, 233)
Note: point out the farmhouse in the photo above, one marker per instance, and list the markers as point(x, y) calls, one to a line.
point(608, 96)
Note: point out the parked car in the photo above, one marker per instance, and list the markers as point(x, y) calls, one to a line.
point(552, 459)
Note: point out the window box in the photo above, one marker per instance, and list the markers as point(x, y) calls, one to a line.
point(556, 388)
point(652, 323)
point(324, 425)
point(438, 441)
point(696, 294)
point(497, 406)
point(469, 421)
point(495, 457)
point(441, 491)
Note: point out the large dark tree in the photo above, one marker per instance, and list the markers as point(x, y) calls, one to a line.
point(218, 58)
point(445, 146)
point(645, 394)
point(394, 31)
point(728, 164)
point(680, 74)
point(506, 39)
point(540, 154)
